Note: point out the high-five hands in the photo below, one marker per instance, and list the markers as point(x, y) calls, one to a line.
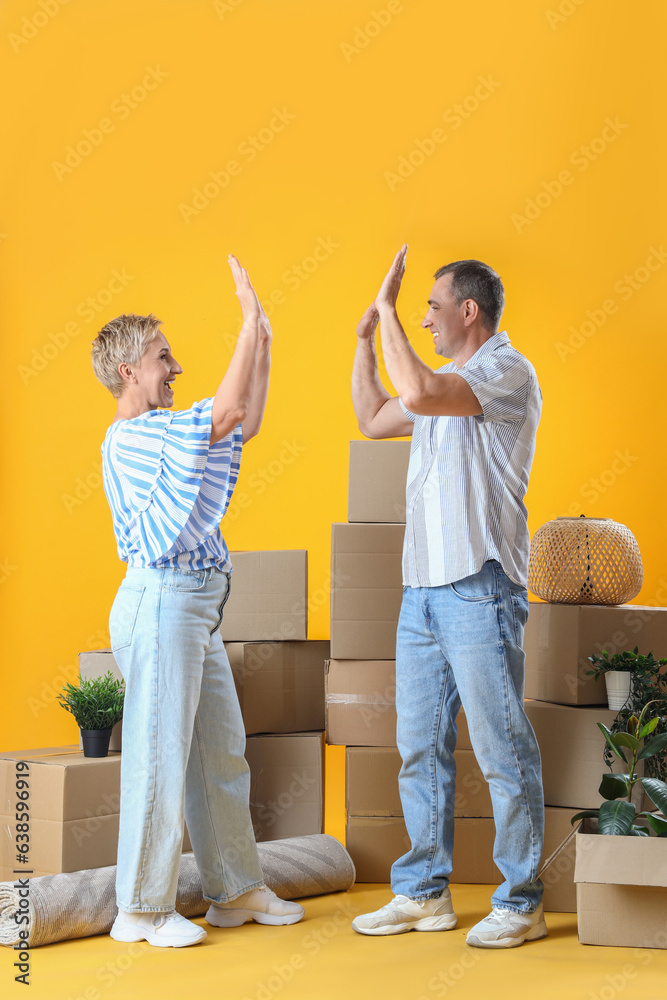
point(386, 296)
point(250, 305)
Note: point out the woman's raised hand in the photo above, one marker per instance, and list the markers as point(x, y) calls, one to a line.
point(247, 295)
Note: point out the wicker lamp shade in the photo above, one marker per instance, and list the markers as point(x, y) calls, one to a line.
point(585, 560)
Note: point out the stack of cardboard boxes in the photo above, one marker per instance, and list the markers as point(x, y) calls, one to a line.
point(74, 801)
point(360, 687)
point(563, 703)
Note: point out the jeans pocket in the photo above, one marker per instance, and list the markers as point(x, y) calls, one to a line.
point(123, 616)
point(473, 590)
point(187, 580)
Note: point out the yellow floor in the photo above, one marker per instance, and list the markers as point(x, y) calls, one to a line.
point(322, 958)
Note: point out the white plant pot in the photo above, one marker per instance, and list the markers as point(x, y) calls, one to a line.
point(618, 688)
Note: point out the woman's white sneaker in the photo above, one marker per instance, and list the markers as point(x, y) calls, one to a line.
point(261, 905)
point(505, 928)
point(164, 930)
point(404, 914)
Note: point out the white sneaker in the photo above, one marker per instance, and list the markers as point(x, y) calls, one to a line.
point(165, 930)
point(505, 928)
point(261, 905)
point(405, 914)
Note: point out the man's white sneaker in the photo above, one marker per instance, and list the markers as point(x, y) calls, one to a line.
point(505, 928)
point(261, 905)
point(165, 930)
point(405, 914)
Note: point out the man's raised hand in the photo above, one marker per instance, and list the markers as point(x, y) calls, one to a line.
point(392, 283)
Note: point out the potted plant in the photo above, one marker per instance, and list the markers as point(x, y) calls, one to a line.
point(618, 813)
point(97, 705)
point(620, 859)
point(626, 674)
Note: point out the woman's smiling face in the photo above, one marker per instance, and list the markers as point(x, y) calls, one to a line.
point(156, 372)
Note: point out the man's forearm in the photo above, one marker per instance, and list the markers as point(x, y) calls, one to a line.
point(411, 378)
point(368, 393)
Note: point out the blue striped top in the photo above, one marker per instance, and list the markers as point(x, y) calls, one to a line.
point(468, 476)
point(168, 487)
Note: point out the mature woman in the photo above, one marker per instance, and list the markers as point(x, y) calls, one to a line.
point(169, 478)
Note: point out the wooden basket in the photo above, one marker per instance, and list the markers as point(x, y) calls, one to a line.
point(585, 560)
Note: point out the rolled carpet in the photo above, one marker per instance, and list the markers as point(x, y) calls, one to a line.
point(80, 904)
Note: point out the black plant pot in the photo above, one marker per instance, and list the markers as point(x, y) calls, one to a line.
point(95, 742)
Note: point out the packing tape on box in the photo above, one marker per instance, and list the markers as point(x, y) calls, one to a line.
point(79, 904)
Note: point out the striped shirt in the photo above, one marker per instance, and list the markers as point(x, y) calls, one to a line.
point(468, 476)
point(168, 487)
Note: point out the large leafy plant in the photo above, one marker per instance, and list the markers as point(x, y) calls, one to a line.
point(648, 684)
point(96, 703)
point(618, 813)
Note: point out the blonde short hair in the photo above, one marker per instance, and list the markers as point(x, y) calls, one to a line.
point(123, 339)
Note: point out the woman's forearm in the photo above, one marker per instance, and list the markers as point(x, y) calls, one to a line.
point(232, 401)
point(255, 414)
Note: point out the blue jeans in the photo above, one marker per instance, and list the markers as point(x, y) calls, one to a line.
point(183, 741)
point(461, 644)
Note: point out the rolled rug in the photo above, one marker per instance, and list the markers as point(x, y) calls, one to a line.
point(80, 904)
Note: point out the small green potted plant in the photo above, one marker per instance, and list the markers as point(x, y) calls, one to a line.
point(618, 812)
point(624, 673)
point(97, 705)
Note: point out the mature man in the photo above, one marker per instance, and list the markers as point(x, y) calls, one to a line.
point(464, 609)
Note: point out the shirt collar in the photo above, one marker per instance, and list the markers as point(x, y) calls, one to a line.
point(499, 339)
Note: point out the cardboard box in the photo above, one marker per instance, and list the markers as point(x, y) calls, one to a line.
point(572, 752)
point(366, 590)
point(280, 684)
point(626, 878)
point(96, 663)
point(560, 894)
point(287, 784)
point(378, 476)
point(74, 804)
point(375, 842)
point(371, 783)
point(559, 638)
point(269, 597)
point(74, 810)
point(361, 704)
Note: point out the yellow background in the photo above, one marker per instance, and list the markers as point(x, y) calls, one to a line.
point(361, 93)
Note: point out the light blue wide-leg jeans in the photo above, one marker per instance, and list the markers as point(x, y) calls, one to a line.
point(183, 741)
point(461, 644)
